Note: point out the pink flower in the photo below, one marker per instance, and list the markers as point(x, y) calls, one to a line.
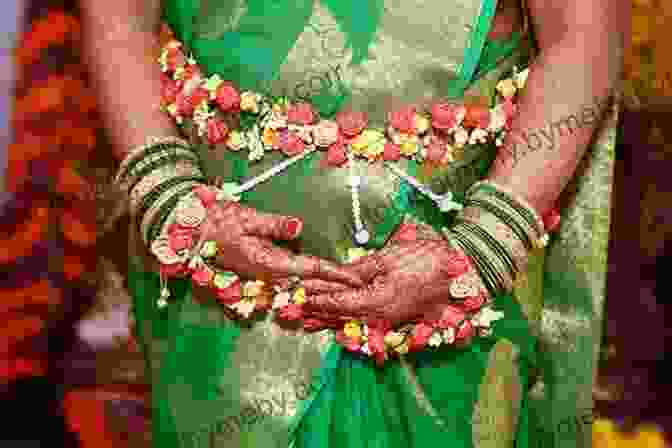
point(474, 303)
point(552, 220)
point(173, 270)
point(231, 294)
point(444, 115)
point(325, 133)
point(457, 264)
point(477, 116)
point(169, 90)
point(403, 119)
point(350, 344)
point(301, 113)
point(377, 344)
point(227, 97)
point(217, 131)
point(391, 152)
point(290, 312)
point(291, 144)
point(312, 325)
point(509, 112)
point(174, 59)
point(451, 316)
point(207, 196)
point(263, 305)
point(180, 238)
point(187, 103)
point(422, 332)
point(406, 232)
point(351, 123)
point(335, 155)
point(465, 332)
point(202, 276)
point(435, 151)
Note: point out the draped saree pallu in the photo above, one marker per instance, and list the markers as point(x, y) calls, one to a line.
point(220, 383)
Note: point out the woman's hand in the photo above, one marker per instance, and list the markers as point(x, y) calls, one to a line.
point(245, 237)
point(409, 280)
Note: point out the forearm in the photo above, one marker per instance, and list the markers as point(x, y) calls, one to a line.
point(120, 48)
point(567, 91)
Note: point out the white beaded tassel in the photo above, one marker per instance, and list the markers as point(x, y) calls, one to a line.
point(362, 235)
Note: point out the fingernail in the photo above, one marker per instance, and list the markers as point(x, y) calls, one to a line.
point(293, 227)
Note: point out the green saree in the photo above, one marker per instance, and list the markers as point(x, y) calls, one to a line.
point(217, 383)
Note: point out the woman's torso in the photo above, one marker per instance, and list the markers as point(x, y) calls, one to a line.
point(415, 58)
point(418, 51)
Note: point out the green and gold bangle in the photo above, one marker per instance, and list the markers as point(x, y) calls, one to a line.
point(499, 250)
point(138, 153)
point(155, 194)
point(164, 160)
point(504, 218)
point(521, 206)
point(147, 183)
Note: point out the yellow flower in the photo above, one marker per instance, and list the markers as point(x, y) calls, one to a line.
point(299, 296)
point(271, 138)
point(393, 339)
point(606, 435)
point(235, 140)
point(421, 123)
point(408, 144)
point(369, 143)
point(402, 349)
point(353, 330)
point(249, 102)
point(354, 253)
point(252, 288)
point(507, 88)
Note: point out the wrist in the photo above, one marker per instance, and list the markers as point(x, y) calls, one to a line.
point(497, 231)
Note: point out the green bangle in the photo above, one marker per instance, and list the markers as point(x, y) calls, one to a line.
point(161, 188)
point(495, 246)
point(168, 160)
point(154, 228)
point(528, 216)
point(153, 149)
point(485, 269)
point(504, 218)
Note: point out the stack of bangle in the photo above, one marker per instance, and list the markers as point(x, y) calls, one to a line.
point(157, 176)
point(497, 230)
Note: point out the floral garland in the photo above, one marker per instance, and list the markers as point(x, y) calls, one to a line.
point(180, 255)
point(222, 114)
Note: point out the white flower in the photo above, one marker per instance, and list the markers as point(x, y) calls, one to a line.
point(486, 316)
point(497, 118)
point(281, 299)
point(252, 288)
point(435, 340)
point(461, 137)
point(365, 349)
point(243, 307)
point(448, 335)
point(521, 78)
point(249, 102)
point(275, 120)
point(543, 241)
point(478, 135)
